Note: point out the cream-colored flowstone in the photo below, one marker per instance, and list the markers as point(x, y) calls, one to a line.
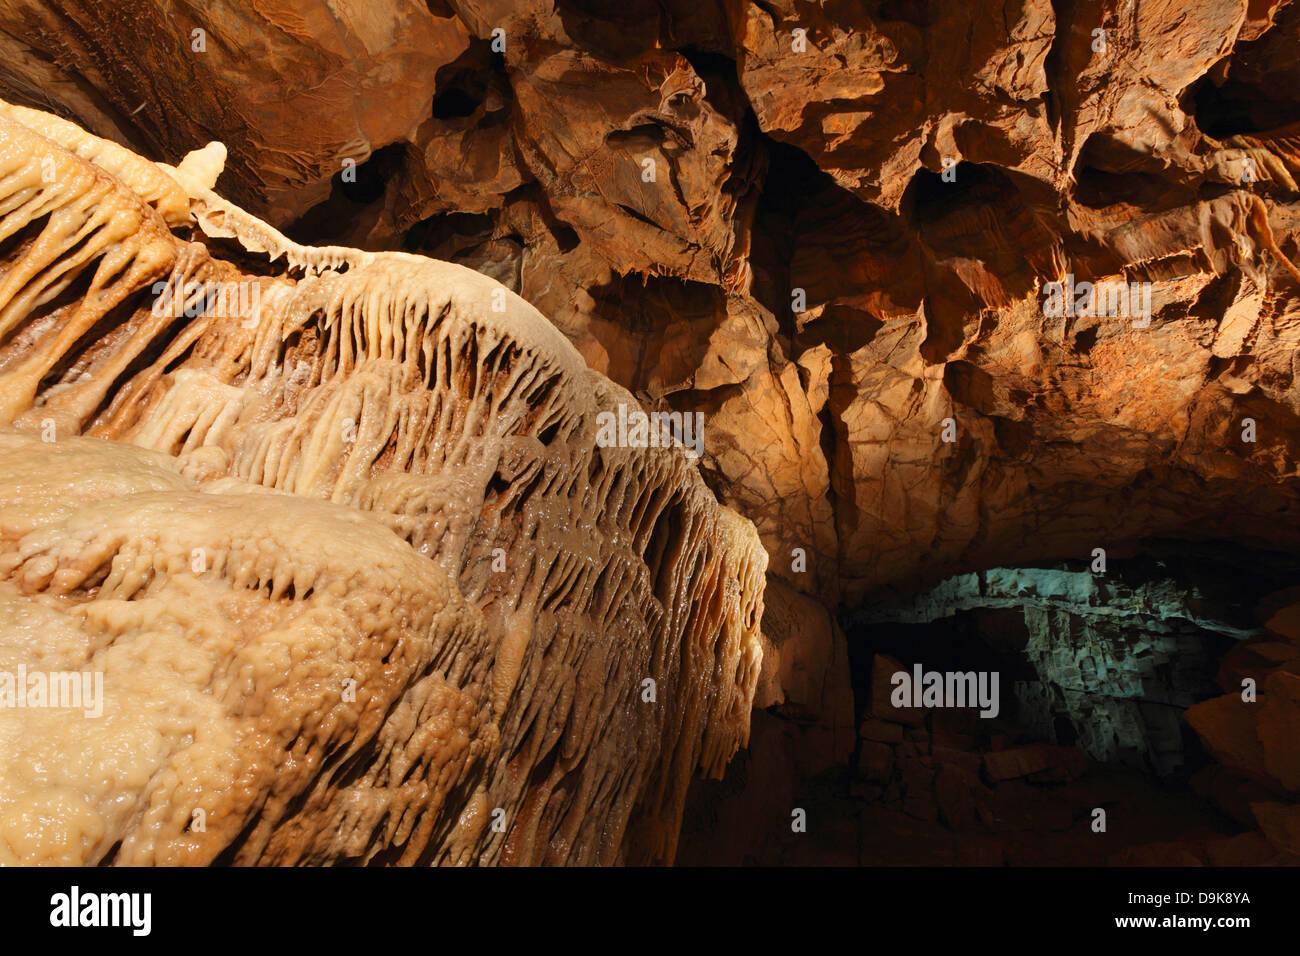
point(333, 530)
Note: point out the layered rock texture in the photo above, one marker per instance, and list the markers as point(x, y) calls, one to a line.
point(956, 288)
point(335, 533)
point(1111, 666)
point(660, 179)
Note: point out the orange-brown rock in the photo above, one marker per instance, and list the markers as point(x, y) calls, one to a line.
point(1037, 761)
point(809, 653)
point(832, 229)
point(883, 668)
point(798, 267)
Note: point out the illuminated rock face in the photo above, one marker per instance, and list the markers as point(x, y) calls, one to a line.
point(335, 531)
point(870, 243)
point(1105, 664)
point(828, 227)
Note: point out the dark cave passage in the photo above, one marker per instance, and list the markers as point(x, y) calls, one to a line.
point(1079, 683)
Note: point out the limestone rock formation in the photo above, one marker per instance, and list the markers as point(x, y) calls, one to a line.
point(963, 292)
point(267, 80)
point(337, 534)
point(828, 227)
point(1113, 665)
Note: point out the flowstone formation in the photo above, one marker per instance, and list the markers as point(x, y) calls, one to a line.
point(333, 532)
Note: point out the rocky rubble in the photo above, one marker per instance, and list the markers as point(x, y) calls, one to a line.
point(1112, 664)
point(946, 787)
point(1252, 729)
point(947, 765)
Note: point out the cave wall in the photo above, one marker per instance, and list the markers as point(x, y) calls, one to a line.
point(831, 228)
point(800, 146)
